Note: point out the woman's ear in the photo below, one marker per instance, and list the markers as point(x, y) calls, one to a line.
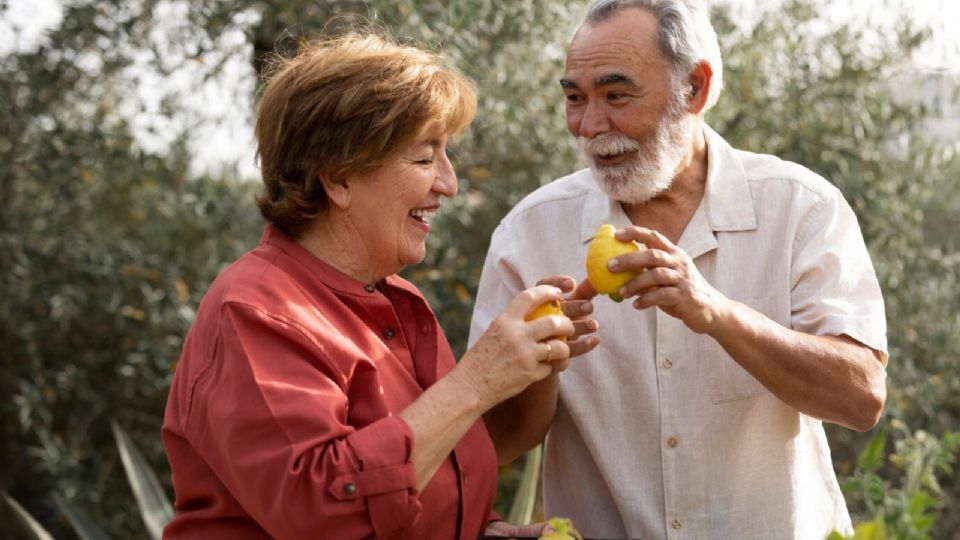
point(338, 191)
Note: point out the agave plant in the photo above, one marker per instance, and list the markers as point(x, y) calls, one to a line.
point(155, 509)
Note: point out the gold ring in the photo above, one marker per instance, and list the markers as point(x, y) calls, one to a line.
point(549, 351)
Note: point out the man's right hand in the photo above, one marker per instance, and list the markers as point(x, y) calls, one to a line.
point(578, 307)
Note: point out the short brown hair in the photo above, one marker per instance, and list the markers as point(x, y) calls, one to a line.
point(343, 105)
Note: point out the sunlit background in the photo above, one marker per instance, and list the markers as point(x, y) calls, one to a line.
point(127, 177)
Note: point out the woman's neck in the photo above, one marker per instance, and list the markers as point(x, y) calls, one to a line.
point(338, 244)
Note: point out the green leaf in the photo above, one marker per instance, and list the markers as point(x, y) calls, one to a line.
point(155, 508)
point(923, 523)
point(521, 511)
point(920, 502)
point(834, 535)
point(29, 525)
point(873, 530)
point(82, 524)
point(872, 456)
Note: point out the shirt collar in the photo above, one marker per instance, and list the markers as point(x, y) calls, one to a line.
point(327, 274)
point(727, 200)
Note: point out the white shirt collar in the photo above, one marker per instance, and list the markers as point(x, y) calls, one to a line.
point(727, 201)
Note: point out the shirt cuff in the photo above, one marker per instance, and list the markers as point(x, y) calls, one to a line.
point(865, 330)
point(386, 478)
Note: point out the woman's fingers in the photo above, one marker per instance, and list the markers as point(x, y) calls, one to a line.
point(527, 300)
point(562, 282)
point(549, 327)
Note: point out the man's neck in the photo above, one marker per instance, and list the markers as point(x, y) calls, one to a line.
point(670, 211)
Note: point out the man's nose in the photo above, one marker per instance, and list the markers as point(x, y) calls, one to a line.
point(594, 121)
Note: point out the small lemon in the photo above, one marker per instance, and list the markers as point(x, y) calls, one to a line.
point(562, 530)
point(545, 310)
point(602, 248)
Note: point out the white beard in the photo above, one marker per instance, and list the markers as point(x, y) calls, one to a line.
point(651, 169)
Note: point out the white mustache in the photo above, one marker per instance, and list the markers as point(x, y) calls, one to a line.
point(606, 144)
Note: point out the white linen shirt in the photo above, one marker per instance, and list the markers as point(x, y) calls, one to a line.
point(658, 432)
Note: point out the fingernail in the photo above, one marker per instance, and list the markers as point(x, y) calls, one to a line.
point(613, 264)
point(623, 292)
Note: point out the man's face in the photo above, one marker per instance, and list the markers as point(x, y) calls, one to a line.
point(632, 126)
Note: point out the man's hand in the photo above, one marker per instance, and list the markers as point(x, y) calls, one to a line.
point(576, 305)
point(671, 281)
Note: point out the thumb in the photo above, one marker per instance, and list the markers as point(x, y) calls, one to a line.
point(584, 291)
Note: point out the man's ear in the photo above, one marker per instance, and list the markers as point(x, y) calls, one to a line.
point(338, 191)
point(701, 77)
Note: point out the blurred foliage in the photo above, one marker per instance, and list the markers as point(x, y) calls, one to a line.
point(906, 499)
point(107, 248)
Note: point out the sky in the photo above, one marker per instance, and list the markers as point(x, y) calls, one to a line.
point(219, 109)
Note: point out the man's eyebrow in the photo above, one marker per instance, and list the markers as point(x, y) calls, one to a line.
point(603, 80)
point(615, 78)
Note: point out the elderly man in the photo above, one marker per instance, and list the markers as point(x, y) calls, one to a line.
point(758, 315)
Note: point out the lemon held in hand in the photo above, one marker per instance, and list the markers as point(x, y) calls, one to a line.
point(545, 310)
point(602, 248)
point(562, 530)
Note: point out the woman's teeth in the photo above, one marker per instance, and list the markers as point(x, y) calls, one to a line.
point(422, 215)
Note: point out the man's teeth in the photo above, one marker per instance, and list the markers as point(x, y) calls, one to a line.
point(423, 215)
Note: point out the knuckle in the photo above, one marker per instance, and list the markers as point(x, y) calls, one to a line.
point(529, 295)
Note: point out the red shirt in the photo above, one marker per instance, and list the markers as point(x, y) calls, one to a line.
point(281, 418)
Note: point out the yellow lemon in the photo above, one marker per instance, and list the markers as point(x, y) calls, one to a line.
point(545, 310)
point(602, 248)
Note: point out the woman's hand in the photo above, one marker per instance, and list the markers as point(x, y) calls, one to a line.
point(513, 353)
point(577, 306)
point(502, 528)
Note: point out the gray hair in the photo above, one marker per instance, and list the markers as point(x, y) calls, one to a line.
point(686, 36)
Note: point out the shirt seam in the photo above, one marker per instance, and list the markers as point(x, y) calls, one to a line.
point(820, 194)
point(282, 320)
point(804, 229)
point(531, 206)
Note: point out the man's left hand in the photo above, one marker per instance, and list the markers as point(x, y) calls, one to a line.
point(670, 281)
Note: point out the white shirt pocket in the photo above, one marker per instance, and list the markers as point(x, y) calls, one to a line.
point(729, 381)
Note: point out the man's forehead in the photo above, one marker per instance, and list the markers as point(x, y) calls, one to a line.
point(612, 62)
point(625, 42)
point(631, 26)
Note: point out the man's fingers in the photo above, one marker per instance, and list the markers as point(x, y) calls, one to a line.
point(643, 259)
point(576, 309)
point(582, 345)
point(649, 237)
point(584, 291)
point(662, 297)
point(564, 283)
point(583, 327)
point(651, 279)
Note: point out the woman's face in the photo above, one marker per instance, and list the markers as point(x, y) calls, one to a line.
point(392, 206)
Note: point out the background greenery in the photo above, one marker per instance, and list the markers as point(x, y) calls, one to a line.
point(106, 248)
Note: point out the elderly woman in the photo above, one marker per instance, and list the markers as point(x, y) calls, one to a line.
point(316, 395)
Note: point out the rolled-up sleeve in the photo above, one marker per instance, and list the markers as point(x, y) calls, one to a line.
point(835, 290)
point(269, 415)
